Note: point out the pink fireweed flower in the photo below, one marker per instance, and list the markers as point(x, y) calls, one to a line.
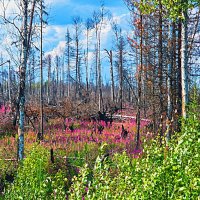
point(118, 137)
point(103, 123)
point(136, 153)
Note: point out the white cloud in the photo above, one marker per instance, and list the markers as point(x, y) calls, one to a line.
point(53, 35)
point(58, 50)
point(9, 8)
point(56, 33)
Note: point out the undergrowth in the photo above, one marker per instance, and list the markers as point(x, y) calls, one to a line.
point(161, 172)
point(33, 180)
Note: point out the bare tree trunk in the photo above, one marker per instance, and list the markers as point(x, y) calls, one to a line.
point(41, 74)
point(29, 83)
point(120, 51)
point(63, 80)
point(54, 87)
point(60, 79)
point(154, 92)
point(33, 75)
point(89, 24)
point(68, 78)
point(96, 72)
point(77, 63)
point(49, 79)
point(23, 67)
point(57, 77)
point(179, 86)
point(77, 27)
point(121, 74)
point(68, 40)
point(110, 56)
point(79, 75)
point(184, 63)
point(99, 73)
point(98, 22)
point(160, 68)
point(169, 89)
point(139, 84)
point(87, 54)
point(146, 71)
point(144, 81)
point(2, 78)
point(112, 77)
point(9, 84)
point(173, 83)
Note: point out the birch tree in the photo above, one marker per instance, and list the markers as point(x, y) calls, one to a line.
point(22, 72)
point(26, 12)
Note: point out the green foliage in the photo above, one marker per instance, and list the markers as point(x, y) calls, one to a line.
point(33, 181)
point(195, 97)
point(174, 7)
point(162, 172)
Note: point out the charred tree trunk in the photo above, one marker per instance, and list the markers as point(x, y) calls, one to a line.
point(169, 85)
point(121, 74)
point(49, 79)
point(41, 73)
point(68, 56)
point(138, 117)
point(179, 86)
point(160, 69)
point(87, 54)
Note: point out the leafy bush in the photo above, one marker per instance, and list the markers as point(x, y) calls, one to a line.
point(161, 173)
point(34, 182)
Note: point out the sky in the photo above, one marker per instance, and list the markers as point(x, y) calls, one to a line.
point(60, 14)
point(61, 11)
point(60, 17)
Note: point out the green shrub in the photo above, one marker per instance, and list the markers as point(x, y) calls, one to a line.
point(160, 174)
point(33, 181)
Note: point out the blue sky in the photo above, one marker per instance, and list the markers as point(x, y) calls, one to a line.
point(61, 11)
point(60, 18)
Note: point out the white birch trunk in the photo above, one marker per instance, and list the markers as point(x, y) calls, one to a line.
point(22, 82)
point(184, 63)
